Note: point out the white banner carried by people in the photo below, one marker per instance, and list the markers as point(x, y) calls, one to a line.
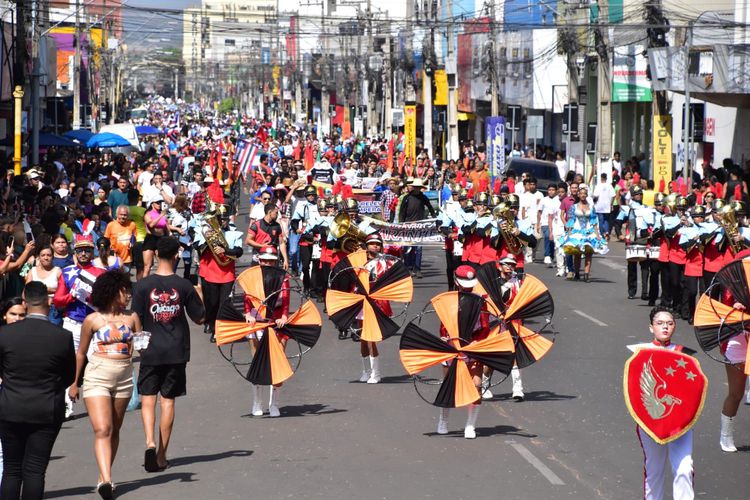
point(418, 233)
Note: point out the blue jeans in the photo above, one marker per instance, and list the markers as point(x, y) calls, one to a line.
point(603, 223)
point(294, 251)
point(569, 263)
point(549, 243)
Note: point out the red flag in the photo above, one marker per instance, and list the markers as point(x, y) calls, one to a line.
point(511, 185)
point(637, 178)
point(662, 185)
point(470, 194)
point(215, 193)
point(699, 198)
point(496, 188)
point(296, 153)
point(309, 158)
point(673, 187)
point(389, 160)
point(683, 189)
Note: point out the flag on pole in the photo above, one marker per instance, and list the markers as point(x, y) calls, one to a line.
point(247, 156)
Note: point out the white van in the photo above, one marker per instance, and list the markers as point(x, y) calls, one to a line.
point(124, 130)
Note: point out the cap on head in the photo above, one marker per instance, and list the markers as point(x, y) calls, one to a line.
point(466, 277)
point(84, 241)
point(374, 238)
point(698, 211)
point(513, 201)
point(481, 199)
point(310, 191)
point(659, 199)
point(509, 259)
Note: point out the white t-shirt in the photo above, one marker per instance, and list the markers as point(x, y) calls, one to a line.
point(550, 206)
point(562, 168)
point(530, 204)
point(149, 192)
point(603, 193)
point(144, 180)
point(258, 211)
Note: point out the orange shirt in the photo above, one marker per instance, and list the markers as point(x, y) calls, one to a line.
point(475, 177)
point(120, 237)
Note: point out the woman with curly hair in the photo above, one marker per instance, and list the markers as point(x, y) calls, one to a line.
point(108, 378)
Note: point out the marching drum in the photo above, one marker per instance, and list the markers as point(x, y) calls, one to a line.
point(636, 253)
point(653, 253)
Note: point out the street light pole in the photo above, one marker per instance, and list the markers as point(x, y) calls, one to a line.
point(686, 114)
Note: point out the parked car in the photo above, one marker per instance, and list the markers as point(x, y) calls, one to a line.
point(546, 172)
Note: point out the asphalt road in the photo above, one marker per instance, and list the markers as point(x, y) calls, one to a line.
point(337, 438)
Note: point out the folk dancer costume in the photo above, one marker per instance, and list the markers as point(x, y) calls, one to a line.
point(217, 264)
point(73, 295)
point(276, 286)
point(306, 213)
point(581, 235)
point(640, 223)
point(665, 395)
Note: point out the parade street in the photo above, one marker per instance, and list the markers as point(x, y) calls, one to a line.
point(571, 438)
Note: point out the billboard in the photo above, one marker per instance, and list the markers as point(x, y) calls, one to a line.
point(629, 82)
point(495, 140)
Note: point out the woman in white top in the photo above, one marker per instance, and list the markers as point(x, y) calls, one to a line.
point(49, 274)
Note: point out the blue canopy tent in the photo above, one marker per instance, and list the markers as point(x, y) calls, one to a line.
point(147, 130)
point(107, 140)
point(81, 135)
point(52, 140)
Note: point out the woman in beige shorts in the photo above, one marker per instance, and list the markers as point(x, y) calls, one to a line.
point(108, 378)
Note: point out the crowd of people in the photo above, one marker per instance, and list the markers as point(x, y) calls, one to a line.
point(79, 229)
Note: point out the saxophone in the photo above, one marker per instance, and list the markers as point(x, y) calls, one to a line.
point(215, 239)
point(503, 211)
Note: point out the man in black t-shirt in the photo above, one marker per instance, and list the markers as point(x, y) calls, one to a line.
point(163, 301)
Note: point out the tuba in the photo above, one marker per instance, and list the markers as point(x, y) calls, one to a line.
point(214, 236)
point(502, 211)
point(350, 237)
point(728, 219)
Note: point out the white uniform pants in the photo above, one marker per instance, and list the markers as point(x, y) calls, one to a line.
point(73, 327)
point(679, 452)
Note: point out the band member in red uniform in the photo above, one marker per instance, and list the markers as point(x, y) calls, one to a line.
point(677, 255)
point(476, 231)
point(466, 280)
point(217, 264)
point(280, 313)
point(267, 231)
point(690, 241)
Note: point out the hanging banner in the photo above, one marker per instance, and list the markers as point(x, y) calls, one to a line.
point(629, 81)
point(495, 140)
point(410, 132)
point(421, 233)
point(662, 154)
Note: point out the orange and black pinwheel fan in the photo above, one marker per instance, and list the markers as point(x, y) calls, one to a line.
point(270, 365)
point(420, 350)
point(532, 301)
point(715, 322)
point(231, 325)
point(255, 280)
point(490, 284)
point(352, 293)
point(735, 277)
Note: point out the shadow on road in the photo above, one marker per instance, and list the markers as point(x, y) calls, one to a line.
point(121, 488)
point(393, 379)
point(538, 396)
point(505, 430)
point(209, 458)
point(304, 410)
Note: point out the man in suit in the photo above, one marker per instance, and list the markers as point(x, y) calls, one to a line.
point(37, 364)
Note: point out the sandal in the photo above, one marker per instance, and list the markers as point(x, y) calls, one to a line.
point(106, 490)
point(149, 460)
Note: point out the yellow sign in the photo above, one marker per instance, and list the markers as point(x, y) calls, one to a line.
point(276, 75)
point(410, 132)
point(441, 88)
point(662, 152)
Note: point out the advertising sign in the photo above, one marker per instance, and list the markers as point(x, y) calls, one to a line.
point(410, 132)
point(662, 144)
point(629, 82)
point(495, 140)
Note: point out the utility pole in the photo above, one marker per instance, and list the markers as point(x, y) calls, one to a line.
point(428, 49)
point(494, 105)
point(687, 118)
point(372, 79)
point(77, 70)
point(325, 97)
point(450, 70)
point(604, 80)
point(36, 115)
point(387, 97)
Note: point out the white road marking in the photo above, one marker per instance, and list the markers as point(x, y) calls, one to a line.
point(538, 464)
point(611, 265)
point(590, 318)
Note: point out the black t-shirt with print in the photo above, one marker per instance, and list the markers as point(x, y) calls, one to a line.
point(162, 303)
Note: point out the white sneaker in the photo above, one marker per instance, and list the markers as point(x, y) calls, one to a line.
point(68, 409)
point(442, 427)
point(470, 432)
point(257, 407)
point(364, 377)
point(375, 375)
point(529, 260)
point(257, 410)
point(471, 422)
point(374, 378)
point(486, 392)
point(560, 274)
point(517, 384)
point(273, 411)
point(548, 260)
point(273, 402)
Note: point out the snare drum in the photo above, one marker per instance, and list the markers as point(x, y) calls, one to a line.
point(636, 253)
point(458, 248)
point(653, 253)
point(316, 251)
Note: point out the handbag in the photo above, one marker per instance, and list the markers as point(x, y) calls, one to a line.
point(135, 398)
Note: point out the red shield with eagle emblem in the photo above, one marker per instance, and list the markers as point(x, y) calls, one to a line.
point(664, 392)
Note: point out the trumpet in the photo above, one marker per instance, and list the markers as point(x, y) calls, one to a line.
point(502, 213)
point(351, 238)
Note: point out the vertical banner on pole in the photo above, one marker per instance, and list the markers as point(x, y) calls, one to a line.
point(410, 132)
point(495, 140)
point(662, 144)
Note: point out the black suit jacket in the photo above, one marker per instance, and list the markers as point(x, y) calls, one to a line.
point(37, 364)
